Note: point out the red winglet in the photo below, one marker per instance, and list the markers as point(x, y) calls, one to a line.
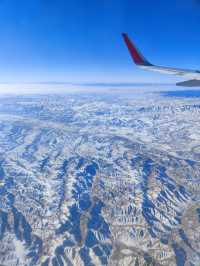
point(135, 54)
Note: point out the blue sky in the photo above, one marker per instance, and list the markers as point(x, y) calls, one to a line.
point(80, 40)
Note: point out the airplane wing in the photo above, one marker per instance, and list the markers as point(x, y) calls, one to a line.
point(142, 62)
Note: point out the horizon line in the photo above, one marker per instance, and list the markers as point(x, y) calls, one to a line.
point(84, 84)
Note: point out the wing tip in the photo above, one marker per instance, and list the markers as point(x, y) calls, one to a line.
point(124, 34)
point(137, 57)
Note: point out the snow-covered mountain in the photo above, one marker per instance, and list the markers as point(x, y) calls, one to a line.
point(99, 179)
